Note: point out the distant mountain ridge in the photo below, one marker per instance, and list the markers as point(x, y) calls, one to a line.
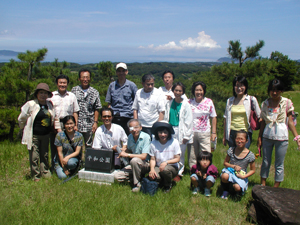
point(9, 53)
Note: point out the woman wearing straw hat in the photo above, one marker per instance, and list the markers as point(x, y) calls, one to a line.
point(37, 117)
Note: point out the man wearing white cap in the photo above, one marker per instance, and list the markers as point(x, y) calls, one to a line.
point(120, 96)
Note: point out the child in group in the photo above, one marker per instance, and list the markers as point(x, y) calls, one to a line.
point(203, 173)
point(234, 177)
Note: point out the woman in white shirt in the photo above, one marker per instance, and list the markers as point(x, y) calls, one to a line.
point(276, 114)
point(165, 155)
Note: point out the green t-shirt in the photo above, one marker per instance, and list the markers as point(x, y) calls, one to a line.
point(174, 113)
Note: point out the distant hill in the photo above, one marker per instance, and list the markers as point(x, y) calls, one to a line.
point(8, 53)
point(224, 59)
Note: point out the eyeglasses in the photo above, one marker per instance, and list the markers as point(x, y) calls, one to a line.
point(106, 116)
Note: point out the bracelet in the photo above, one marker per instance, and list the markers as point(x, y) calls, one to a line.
point(296, 138)
point(213, 132)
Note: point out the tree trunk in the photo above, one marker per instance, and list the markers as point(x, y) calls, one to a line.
point(28, 78)
point(11, 130)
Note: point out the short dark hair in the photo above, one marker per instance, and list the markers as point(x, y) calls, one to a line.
point(275, 84)
point(242, 80)
point(195, 84)
point(168, 71)
point(62, 76)
point(67, 118)
point(241, 132)
point(84, 70)
point(204, 155)
point(179, 84)
point(161, 129)
point(147, 77)
point(106, 109)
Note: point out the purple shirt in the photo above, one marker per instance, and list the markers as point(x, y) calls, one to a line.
point(211, 170)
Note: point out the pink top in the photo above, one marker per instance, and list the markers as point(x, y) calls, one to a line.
point(201, 114)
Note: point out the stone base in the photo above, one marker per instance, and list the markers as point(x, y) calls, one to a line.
point(274, 206)
point(96, 177)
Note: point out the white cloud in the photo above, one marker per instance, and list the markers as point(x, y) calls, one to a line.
point(203, 41)
point(5, 32)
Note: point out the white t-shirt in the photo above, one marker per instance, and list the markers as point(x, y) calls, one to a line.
point(201, 114)
point(164, 152)
point(166, 92)
point(148, 105)
point(106, 139)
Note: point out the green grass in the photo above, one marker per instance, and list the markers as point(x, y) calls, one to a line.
point(46, 202)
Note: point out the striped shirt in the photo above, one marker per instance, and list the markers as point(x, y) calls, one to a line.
point(243, 163)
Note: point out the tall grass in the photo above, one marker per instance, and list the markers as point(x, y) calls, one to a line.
point(47, 202)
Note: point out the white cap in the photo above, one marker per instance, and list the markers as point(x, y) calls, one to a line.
point(122, 65)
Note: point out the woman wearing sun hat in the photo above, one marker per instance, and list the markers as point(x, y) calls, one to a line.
point(165, 154)
point(37, 117)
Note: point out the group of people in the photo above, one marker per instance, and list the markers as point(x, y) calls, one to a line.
point(153, 128)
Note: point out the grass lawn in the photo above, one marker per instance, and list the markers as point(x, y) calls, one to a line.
point(46, 202)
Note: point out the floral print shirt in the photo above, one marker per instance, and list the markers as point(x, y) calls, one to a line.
point(201, 114)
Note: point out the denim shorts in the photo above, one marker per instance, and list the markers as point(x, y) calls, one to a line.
point(202, 182)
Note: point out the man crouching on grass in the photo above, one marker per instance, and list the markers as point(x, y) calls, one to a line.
point(139, 145)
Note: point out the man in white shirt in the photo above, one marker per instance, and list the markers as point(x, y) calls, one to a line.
point(168, 79)
point(64, 104)
point(147, 105)
point(110, 135)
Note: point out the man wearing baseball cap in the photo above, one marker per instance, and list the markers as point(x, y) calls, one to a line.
point(120, 96)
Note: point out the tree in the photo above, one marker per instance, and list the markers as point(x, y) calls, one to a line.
point(106, 70)
point(12, 96)
point(286, 69)
point(32, 58)
point(235, 50)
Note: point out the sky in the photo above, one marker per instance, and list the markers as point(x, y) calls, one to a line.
point(91, 31)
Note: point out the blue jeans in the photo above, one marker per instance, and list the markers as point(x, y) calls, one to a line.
point(202, 182)
point(71, 165)
point(231, 141)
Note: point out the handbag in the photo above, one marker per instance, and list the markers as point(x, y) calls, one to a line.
point(254, 120)
point(149, 187)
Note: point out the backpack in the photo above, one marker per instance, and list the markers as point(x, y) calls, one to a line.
point(149, 187)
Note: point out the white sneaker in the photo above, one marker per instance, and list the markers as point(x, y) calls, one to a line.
point(196, 190)
point(136, 188)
